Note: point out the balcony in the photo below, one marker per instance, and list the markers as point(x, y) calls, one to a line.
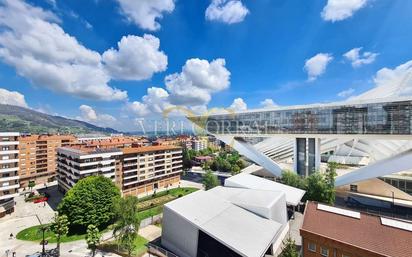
point(7, 170)
point(3, 188)
point(9, 143)
point(2, 179)
point(9, 161)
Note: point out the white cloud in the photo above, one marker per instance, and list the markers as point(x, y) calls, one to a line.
point(358, 59)
point(37, 47)
point(88, 114)
point(188, 91)
point(346, 93)
point(390, 83)
point(145, 12)
point(154, 102)
point(12, 98)
point(316, 65)
point(337, 10)
point(32, 42)
point(197, 81)
point(268, 103)
point(227, 11)
point(238, 105)
point(137, 58)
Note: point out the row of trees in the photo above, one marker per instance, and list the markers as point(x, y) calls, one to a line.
point(319, 187)
point(190, 154)
point(227, 162)
point(224, 162)
point(90, 206)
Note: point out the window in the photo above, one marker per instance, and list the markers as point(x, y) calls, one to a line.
point(324, 251)
point(312, 247)
point(354, 188)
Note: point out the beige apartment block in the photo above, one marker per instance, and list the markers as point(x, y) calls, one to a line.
point(146, 169)
point(135, 170)
point(9, 166)
point(37, 157)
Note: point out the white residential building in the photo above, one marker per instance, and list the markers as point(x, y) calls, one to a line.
point(9, 166)
point(74, 163)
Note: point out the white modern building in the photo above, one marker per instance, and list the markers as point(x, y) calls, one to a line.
point(9, 166)
point(374, 133)
point(74, 163)
point(229, 221)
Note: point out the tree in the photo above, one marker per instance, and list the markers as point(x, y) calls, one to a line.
point(127, 223)
point(290, 178)
point(319, 187)
point(31, 185)
point(90, 201)
point(330, 176)
point(210, 180)
point(235, 169)
point(60, 228)
point(93, 238)
point(187, 157)
point(289, 248)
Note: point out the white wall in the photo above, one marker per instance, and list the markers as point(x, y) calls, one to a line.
point(179, 235)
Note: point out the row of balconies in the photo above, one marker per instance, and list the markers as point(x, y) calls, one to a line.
point(150, 176)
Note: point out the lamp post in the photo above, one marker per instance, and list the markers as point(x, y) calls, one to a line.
point(43, 230)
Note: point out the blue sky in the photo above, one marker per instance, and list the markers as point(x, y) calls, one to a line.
point(251, 50)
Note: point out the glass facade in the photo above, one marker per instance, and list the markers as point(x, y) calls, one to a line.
point(390, 118)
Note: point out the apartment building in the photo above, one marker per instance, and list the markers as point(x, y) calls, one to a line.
point(114, 142)
point(9, 166)
point(77, 162)
point(145, 169)
point(135, 170)
point(335, 232)
point(199, 144)
point(37, 157)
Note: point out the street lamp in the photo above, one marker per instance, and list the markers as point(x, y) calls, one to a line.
point(43, 230)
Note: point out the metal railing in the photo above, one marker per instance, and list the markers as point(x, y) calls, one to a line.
point(159, 251)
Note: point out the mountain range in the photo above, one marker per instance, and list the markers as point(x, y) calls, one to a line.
point(24, 120)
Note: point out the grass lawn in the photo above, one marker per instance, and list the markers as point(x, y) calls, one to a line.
point(34, 234)
point(157, 201)
point(174, 192)
point(160, 199)
point(140, 244)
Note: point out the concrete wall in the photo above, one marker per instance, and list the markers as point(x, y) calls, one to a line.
point(377, 187)
point(279, 211)
point(179, 235)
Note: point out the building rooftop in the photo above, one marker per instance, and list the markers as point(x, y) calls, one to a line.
point(82, 150)
point(152, 148)
point(293, 195)
point(387, 237)
point(46, 137)
point(240, 230)
point(247, 197)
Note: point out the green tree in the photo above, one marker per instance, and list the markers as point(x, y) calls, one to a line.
point(90, 201)
point(93, 238)
point(127, 223)
point(60, 227)
point(210, 180)
point(289, 248)
point(187, 157)
point(330, 176)
point(31, 185)
point(235, 169)
point(290, 178)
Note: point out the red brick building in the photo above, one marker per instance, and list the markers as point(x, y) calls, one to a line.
point(334, 232)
